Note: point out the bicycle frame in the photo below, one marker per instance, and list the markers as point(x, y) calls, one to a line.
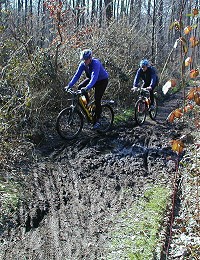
point(70, 120)
point(78, 101)
point(144, 95)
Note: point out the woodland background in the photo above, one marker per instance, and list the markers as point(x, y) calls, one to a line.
point(40, 44)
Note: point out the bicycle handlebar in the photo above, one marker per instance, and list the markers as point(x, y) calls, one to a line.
point(140, 89)
point(75, 93)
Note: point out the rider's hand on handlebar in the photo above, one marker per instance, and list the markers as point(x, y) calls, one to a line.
point(149, 88)
point(133, 89)
point(67, 88)
point(83, 90)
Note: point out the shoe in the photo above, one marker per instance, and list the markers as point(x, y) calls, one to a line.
point(96, 126)
point(151, 108)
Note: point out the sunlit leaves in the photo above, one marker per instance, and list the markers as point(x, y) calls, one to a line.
point(176, 43)
point(177, 25)
point(194, 94)
point(194, 73)
point(169, 84)
point(197, 98)
point(177, 113)
point(195, 11)
point(188, 107)
point(187, 29)
point(190, 94)
point(188, 61)
point(177, 146)
point(194, 41)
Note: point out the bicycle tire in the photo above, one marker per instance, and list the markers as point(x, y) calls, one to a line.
point(140, 112)
point(107, 117)
point(153, 113)
point(69, 123)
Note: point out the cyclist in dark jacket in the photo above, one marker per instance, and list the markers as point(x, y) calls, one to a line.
point(149, 76)
point(97, 78)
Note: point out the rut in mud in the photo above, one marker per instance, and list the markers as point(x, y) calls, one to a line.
point(76, 186)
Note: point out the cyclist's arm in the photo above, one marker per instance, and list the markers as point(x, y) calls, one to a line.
point(153, 79)
point(137, 78)
point(77, 75)
point(94, 75)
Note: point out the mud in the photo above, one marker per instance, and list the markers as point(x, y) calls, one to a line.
point(75, 187)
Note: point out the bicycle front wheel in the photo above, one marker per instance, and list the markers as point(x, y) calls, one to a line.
point(153, 112)
point(107, 117)
point(69, 123)
point(140, 112)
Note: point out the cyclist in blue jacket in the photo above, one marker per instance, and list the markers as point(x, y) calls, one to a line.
point(97, 78)
point(149, 76)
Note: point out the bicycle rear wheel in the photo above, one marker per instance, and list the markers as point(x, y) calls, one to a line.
point(69, 123)
point(140, 112)
point(107, 117)
point(153, 112)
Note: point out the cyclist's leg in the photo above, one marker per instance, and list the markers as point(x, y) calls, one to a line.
point(82, 85)
point(100, 88)
point(152, 97)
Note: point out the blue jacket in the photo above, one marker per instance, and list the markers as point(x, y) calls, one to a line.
point(94, 71)
point(149, 77)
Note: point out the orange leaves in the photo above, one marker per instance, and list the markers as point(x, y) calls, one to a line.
point(190, 94)
point(188, 107)
point(194, 73)
point(177, 146)
point(197, 98)
point(195, 11)
point(169, 84)
point(171, 117)
point(188, 61)
point(177, 113)
point(194, 94)
point(194, 41)
point(187, 29)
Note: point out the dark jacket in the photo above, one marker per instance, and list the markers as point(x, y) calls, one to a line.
point(149, 77)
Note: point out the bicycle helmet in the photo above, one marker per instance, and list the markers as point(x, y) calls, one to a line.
point(144, 63)
point(86, 54)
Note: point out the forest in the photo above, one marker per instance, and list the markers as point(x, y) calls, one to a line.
point(41, 43)
point(40, 51)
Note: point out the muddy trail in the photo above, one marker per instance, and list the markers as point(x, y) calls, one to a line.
point(75, 187)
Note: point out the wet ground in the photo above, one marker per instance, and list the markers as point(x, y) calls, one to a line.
point(74, 187)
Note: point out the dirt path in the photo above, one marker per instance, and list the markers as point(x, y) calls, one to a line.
point(76, 186)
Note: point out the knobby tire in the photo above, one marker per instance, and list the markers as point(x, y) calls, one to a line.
point(107, 117)
point(140, 112)
point(153, 113)
point(69, 123)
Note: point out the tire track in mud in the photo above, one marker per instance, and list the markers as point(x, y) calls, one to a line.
point(76, 189)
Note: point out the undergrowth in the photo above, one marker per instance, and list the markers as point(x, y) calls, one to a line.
point(135, 231)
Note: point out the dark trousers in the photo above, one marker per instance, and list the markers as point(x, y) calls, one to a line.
point(99, 89)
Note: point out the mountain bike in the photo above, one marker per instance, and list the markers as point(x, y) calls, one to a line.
point(70, 120)
point(142, 106)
